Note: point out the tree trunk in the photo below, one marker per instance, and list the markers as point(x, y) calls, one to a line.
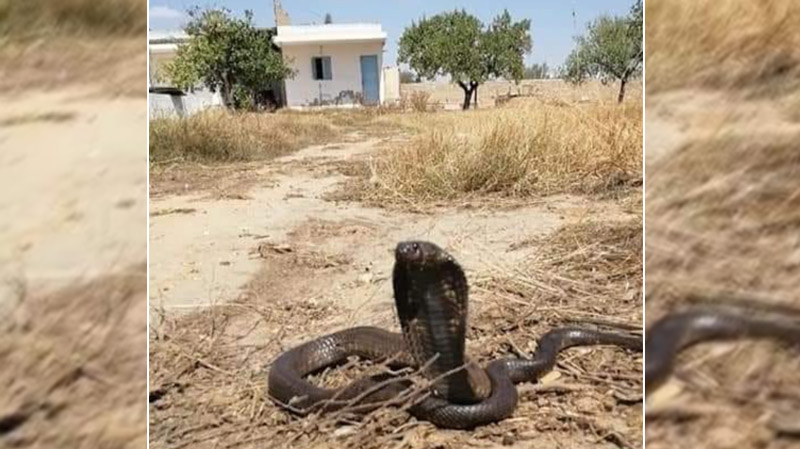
point(475, 99)
point(467, 97)
point(622, 84)
point(468, 92)
point(226, 92)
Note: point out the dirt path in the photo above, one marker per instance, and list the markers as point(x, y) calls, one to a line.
point(203, 251)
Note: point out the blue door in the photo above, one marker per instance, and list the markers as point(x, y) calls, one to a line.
point(369, 79)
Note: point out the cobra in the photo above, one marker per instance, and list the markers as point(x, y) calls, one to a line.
point(431, 299)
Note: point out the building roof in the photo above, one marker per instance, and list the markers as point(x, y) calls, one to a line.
point(329, 33)
point(167, 37)
point(166, 41)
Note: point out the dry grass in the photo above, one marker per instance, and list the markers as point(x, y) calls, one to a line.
point(36, 18)
point(107, 68)
point(208, 383)
point(221, 136)
point(519, 151)
point(50, 44)
point(418, 101)
point(730, 43)
point(529, 147)
point(225, 152)
point(73, 366)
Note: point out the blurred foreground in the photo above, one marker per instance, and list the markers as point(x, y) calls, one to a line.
point(723, 210)
point(73, 224)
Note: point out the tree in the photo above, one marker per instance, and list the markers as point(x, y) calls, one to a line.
point(611, 47)
point(328, 18)
point(228, 55)
point(537, 72)
point(458, 45)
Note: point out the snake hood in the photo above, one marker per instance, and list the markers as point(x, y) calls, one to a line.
point(431, 298)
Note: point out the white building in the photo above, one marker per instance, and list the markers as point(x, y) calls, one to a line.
point(335, 64)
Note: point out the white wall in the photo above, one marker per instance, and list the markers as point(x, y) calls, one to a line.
point(390, 85)
point(163, 105)
point(303, 90)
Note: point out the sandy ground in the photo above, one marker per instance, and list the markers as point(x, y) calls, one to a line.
point(737, 394)
point(73, 202)
point(234, 281)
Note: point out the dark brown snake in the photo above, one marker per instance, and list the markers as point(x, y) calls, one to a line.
point(713, 322)
point(431, 298)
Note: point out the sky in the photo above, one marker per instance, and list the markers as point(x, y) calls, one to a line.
point(552, 23)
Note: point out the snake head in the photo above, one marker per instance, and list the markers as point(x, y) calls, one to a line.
point(420, 254)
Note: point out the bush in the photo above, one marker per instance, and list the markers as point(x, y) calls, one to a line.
point(419, 101)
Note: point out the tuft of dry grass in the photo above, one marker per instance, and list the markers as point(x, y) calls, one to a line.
point(419, 101)
point(36, 18)
point(721, 44)
point(49, 44)
point(528, 150)
point(104, 67)
point(222, 136)
point(74, 365)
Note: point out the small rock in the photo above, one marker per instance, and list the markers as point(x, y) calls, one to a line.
point(550, 377)
point(665, 394)
point(344, 431)
point(609, 403)
point(125, 203)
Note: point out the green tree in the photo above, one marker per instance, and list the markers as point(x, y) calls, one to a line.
point(228, 55)
point(611, 48)
point(457, 44)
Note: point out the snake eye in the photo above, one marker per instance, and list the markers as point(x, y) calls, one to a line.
point(415, 246)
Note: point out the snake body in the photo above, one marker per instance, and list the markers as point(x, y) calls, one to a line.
point(431, 298)
point(705, 323)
